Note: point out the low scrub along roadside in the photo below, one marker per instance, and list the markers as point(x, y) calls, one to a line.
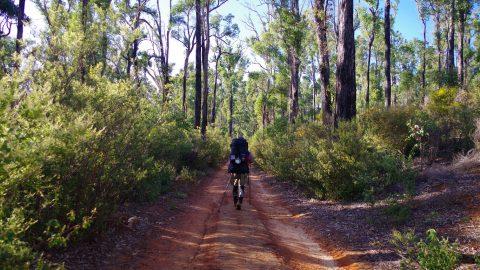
point(340, 164)
point(70, 156)
point(361, 159)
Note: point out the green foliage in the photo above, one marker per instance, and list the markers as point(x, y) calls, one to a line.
point(444, 129)
point(66, 164)
point(429, 253)
point(388, 128)
point(442, 102)
point(454, 121)
point(341, 164)
point(186, 175)
point(417, 137)
point(397, 212)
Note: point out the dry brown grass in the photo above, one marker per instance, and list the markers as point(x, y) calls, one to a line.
point(470, 161)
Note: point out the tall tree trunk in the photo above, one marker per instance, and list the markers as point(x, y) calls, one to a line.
point(374, 13)
point(294, 63)
point(198, 63)
point(164, 51)
point(20, 19)
point(215, 86)
point(82, 57)
point(184, 80)
point(266, 111)
point(438, 40)
point(205, 52)
point(135, 61)
point(133, 50)
point(461, 38)
point(450, 61)
point(388, 77)
point(314, 90)
point(321, 19)
point(466, 69)
point(230, 109)
point(424, 58)
point(346, 86)
point(294, 87)
point(104, 48)
point(369, 59)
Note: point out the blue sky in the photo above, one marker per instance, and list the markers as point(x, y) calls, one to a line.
point(407, 20)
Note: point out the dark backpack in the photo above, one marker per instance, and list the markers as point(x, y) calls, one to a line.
point(238, 156)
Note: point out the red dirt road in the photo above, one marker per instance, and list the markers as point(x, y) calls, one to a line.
point(211, 234)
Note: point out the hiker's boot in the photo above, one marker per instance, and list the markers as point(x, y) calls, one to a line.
point(239, 206)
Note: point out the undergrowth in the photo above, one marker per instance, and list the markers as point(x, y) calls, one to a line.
point(67, 163)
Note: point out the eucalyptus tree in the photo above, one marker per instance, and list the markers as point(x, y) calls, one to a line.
point(198, 63)
point(345, 85)
point(290, 27)
point(159, 37)
point(423, 11)
point(268, 53)
point(223, 32)
point(183, 30)
point(371, 25)
point(320, 10)
point(20, 21)
point(133, 16)
point(437, 10)
point(450, 59)
point(464, 10)
point(233, 64)
point(388, 77)
point(294, 60)
point(208, 7)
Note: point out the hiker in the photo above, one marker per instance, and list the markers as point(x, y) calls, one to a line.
point(240, 159)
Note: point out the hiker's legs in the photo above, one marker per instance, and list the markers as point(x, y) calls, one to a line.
point(240, 199)
point(233, 181)
point(238, 195)
point(235, 195)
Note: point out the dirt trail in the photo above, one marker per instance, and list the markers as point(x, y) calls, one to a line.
point(207, 235)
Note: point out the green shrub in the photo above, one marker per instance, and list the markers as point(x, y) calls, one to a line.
point(340, 164)
point(454, 121)
point(67, 161)
point(397, 212)
point(388, 129)
point(187, 176)
point(447, 124)
point(431, 253)
point(212, 151)
point(15, 253)
point(154, 181)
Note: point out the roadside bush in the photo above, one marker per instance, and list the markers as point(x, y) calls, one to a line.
point(471, 159)
point(431, 253)
point(210, 152)
point(340, 164)
point(388, 129)
point(67, 164)
point(454, 122)
point(14, 253)
point(447, 125)
point(397, 212)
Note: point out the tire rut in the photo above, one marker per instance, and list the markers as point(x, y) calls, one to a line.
point(211, 234)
